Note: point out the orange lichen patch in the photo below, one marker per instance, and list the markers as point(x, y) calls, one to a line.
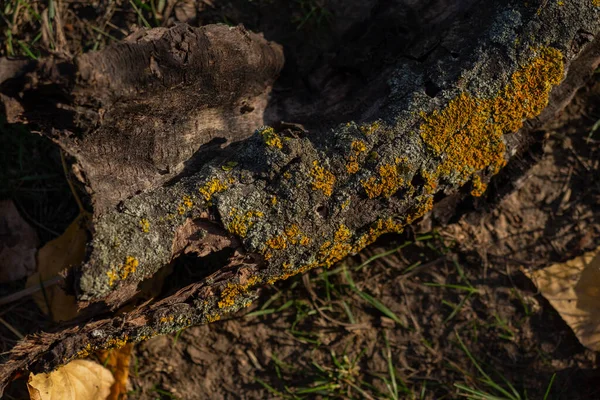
point(212, 318)
point(388, 181)
point(596, 3)
point(380, 227)
point(291, 273)
point(277, 242)
point(291, 235)
point(234, 290)
point(304, 241)
point(116, 343)
point(122, 271)
point(357, 147)
point(241, 222)
point(430, 182)
point(369, 129)
point(166, 319)
point(270, 137)
point(421, 209)
point(185, 205)
point(332, 252)
point(273, 200)
point(287, 265)
point(352, 167)
point(468, 132)
point(215, 185)
point(145, 225)
point(322, 179)
point(478, 186)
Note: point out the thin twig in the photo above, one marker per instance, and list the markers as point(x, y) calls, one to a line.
point(30, 290)
point(11, 328)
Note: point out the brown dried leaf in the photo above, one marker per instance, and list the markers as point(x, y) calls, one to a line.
point(18, 244)
point(117, 361)
point(78, 380)
point(61, 253)
point(573, 289)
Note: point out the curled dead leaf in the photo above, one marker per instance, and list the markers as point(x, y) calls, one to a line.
point(61, 253)
point(117, 361)
point(573, 289)
point(78, 380)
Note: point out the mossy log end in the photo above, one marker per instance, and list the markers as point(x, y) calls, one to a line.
point(173, 135)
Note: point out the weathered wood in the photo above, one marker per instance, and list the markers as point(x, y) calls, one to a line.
point(284, 199)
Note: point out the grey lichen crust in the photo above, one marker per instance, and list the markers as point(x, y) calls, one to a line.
point(300, 202)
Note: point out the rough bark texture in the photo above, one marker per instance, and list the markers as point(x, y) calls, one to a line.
point(283, 199)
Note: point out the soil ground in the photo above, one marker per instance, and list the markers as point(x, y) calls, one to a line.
point(428, 315)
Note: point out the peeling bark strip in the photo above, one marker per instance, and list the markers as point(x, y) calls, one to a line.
point(287, 201)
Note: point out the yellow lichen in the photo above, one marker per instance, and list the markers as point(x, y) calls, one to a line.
point(273, 200)
point(233, 290)
point(215, 185)
point(430, 182)
point(369, 129)
point(277, 242)
point(423, 207)
point(116, 343)
point(241, 222)
point(332, 252)
point(270, 137)
point(322, 179)
point(380, 227)
point(291, 235)
point(357, 147)
point(596, 3)
point(304, 241)
point(164, 320)
point(122, 271)
point(352, 167)
point(186, 204)
point(388, 181)
point(467, 134)
point(145, 225)
point(212, 318)
point(478, 186)
point(345, 204)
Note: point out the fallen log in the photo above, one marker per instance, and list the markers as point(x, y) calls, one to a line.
point(184, 151)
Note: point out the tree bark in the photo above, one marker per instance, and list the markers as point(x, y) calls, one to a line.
point(167, 133)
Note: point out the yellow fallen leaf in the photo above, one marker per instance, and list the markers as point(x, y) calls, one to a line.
point(573, 289)
point(61, 253)
point(78, 380)
point(117, 361)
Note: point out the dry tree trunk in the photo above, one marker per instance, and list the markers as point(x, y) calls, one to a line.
point(184, 149)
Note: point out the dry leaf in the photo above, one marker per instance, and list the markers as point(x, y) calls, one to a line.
point(117, 361)
point(78, 380)
point(573, 289)
point(61, 253)
point(18, 244)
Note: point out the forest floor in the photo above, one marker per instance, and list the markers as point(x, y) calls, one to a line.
point(434, 313)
